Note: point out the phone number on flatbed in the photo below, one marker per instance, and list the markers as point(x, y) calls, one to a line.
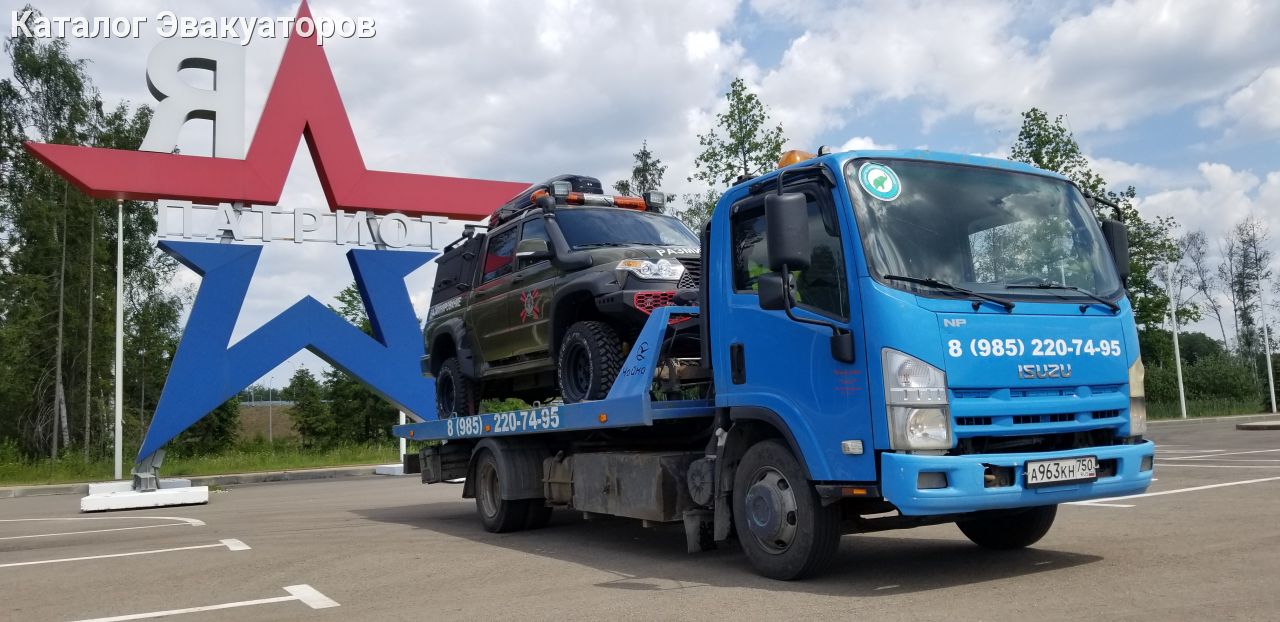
point(514, 421)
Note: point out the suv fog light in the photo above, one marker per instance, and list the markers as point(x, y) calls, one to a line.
point(930, 480)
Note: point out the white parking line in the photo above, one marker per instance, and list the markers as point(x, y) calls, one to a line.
point(1223, 466)
point(1224, 453)
point(305, 594)
point(1161, 450)
point(191, 522)
point(1100, 505)
point(231, 544)
point(1176, 491)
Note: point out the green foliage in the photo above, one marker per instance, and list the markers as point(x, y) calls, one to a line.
point(1050, 145)
point(741, 143)
point(1209, 378)
point(311, 416)
point(497, 406)
point(216, 432)
point(50, 98)
point(646, 174)
point(359, 414)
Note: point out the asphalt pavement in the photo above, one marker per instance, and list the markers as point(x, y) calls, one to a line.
point(1203, 543)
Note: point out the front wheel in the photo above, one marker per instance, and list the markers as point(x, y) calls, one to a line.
point(1010, 531)
point(781, 523)
point(589, 360)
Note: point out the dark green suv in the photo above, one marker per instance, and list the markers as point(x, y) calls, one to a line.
point(545, 302)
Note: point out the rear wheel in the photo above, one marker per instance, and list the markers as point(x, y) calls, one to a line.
point(1010, 531)
point(589, 359)
point(781, 523)
point(498, 515)
point(455, 393)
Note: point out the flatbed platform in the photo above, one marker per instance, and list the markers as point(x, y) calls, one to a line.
point(628, 404)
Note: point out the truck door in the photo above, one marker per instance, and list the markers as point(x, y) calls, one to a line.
point(531, 294)
point(489, 314)
point(786, 367)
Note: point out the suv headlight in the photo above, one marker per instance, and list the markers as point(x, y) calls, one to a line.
point(916, 399)
point(1137, 399)
point(662, 269)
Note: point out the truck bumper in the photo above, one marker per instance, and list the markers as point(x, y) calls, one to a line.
point(967, 490)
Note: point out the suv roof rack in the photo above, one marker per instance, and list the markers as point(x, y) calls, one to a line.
point(523, 201)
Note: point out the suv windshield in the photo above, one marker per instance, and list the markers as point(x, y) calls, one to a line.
point(585, 227)
point(980, 228)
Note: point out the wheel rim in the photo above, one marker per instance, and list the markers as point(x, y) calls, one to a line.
point(577, 371)
point(445, 393)
point(488, 492)
point(771, 510)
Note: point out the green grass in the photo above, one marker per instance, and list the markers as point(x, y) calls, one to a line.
point(1203, 408)
point(246, 458)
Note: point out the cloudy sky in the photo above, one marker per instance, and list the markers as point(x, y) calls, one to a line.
point(1180, 99)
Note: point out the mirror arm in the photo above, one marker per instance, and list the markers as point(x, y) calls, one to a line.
point(786, 291)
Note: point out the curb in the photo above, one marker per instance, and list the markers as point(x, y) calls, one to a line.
point(11, 492)
point(1197, 420)
point(1259, 425)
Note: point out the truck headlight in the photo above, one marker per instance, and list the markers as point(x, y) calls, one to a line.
point(662, 269)
point(916, 398)
point(1137, 399)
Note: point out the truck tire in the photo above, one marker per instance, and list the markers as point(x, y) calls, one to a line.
point(497, 514)
point(589, 359)
point(1010, 531)
point(455, 393)
point(781, 523)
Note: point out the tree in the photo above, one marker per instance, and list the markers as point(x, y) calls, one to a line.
point(1050, 145)
point(1245, 270)
point(215, 432)
point(358, 413)
point(646, 174)
point(1204, 280)
point(50, 98)
point(740, 144)
point(311, 416)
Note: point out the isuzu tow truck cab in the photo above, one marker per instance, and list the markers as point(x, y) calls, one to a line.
point(892, 338)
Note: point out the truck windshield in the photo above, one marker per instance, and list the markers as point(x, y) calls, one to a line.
point(988, 230)
point(586, 227)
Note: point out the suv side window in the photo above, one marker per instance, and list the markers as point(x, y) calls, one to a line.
point(821, 287)
point(533, 229)
point(500, 255)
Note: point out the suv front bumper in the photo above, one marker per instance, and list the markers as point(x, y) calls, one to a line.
point(966, 489)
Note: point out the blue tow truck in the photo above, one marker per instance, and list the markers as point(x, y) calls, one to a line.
point(879, 340)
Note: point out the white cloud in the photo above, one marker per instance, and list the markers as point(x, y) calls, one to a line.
point(1256, 107)
point(1220, 198)
point(1104, 68)
point(1145, 178)
point(863, 143)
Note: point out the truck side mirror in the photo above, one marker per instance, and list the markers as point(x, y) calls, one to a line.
point(1117, 237)
point(773, 293)
point(787, 232)
point(532, 250)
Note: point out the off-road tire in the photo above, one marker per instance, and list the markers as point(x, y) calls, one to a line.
point(815, 532)
point(455, 393)
point(588, 362)
point(497, 514)
point(1010, 531)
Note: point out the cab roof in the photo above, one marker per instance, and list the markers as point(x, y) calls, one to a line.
point(837, 160)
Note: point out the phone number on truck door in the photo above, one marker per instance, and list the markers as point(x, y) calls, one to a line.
point(1036, 347)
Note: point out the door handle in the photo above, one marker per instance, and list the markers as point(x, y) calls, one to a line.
point(517, 278)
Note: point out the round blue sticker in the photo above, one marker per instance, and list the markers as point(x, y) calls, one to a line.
point(879, 181)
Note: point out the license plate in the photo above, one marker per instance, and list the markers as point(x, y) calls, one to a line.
point(1063, 471)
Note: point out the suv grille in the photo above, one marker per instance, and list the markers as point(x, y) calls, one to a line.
point(692, 274)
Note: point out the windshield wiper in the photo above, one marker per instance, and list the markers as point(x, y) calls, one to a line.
point(1115, 308)
point(936, 284)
